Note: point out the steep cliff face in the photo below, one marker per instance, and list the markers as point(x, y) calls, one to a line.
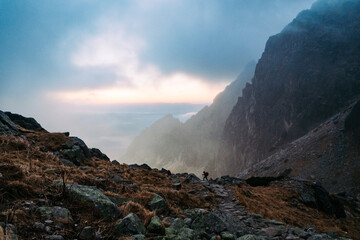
point(307, 73)
point(330, 153)
point(190, 146)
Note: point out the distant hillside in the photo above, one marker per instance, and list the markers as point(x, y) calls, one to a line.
point(190, 146)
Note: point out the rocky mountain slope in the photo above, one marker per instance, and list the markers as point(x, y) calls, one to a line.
point(307, 73)
point(329, 153)
point(190, 146)
point(53, 187)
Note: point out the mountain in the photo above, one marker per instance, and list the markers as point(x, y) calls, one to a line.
point(53, 187)
point(329, 154)
point(308, 72)
point(188, 147)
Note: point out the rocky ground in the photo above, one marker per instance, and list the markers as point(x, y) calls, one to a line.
point(53, 186)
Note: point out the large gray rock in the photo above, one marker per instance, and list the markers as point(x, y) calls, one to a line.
point(156, 226)
point(78, 142)
point(194, 213)
point(25, 122)
point(57, 214)
point(178, 231)
point(158, 204)
point(87, 233)
point(227, 236)
point(314, 195)
point(211, 222)
point(97, 153)
point(107, 209)
point(6, 125)
point(218, 221)
point(75, 150)
point(129, 225)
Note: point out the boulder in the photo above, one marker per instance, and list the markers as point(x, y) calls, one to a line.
point(211, 222)
point(218, 221)
point(57, 214)
point(75, 155)
point(118, 200)
point(98, 154)
point(227, 236)
point(191, 178)
point(186, 233)
point(115, 162)
point(156, 226)
point(66, 162)
point(75, 150)
point(87, 233)
point(129, 225)
point(158, 204)
point(194, 213)
point(272, 232)
point(38, 226)
point(25, 122)
point(6, 125)
point(107, 209)
point(142, 166)
point(315, 196)
point(78, 142)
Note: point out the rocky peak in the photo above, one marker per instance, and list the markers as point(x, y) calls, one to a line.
point(306, 74)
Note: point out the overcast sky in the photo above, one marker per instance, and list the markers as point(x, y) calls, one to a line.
point(63, 60)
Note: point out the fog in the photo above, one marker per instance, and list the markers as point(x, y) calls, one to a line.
point(94, 67)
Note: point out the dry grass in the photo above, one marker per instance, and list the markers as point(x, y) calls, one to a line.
point(29, 167)
point(275, 202)
point(132, 207)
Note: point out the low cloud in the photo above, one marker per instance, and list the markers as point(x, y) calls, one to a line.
point(115, 52)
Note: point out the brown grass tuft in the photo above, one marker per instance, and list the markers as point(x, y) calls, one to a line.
point(133, 207)
point(275, 202)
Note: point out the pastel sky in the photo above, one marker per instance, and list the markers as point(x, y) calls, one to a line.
point(73, 65)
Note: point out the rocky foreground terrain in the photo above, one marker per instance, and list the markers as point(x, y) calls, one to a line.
point(52, 186)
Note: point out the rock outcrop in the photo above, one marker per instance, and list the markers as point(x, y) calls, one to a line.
point(6, 125)
point(25, 122)
point(307, 73)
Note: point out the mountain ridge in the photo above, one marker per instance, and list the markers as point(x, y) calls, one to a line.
point(307, 73)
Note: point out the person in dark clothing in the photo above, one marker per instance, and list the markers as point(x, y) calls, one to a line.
point(205, 176)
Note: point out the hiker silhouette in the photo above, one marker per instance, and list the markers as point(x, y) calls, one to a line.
point(205, 176)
